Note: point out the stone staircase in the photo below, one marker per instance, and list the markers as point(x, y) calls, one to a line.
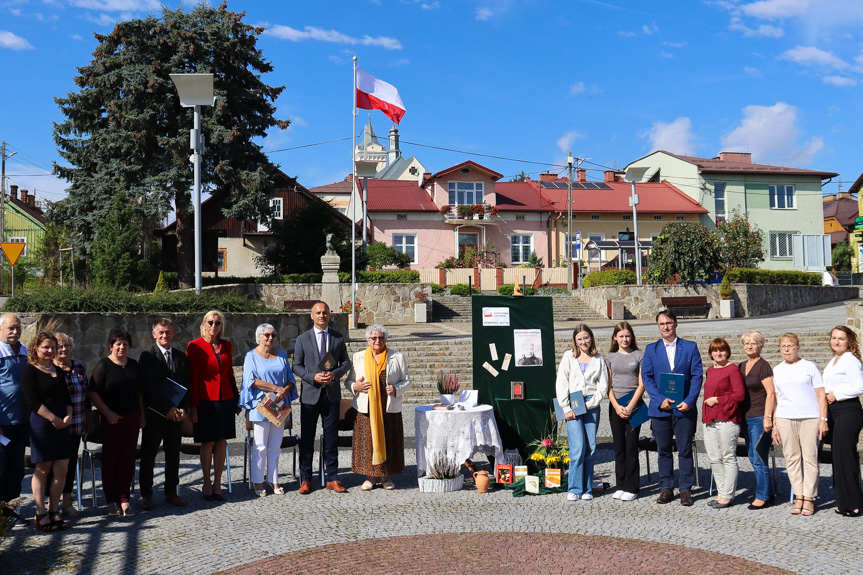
point(457, 308)
point(426, 358)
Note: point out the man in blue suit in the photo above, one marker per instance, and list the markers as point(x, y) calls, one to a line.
point(673, 355)
point(320, 395)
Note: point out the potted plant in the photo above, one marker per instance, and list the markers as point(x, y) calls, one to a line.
point(491, 210)
point(448, 385)
point(477, 211)
point(442, 475)
point(446, 209)
point(420, 306)
point(726, 304)
point(464, 211)
point(348, 308)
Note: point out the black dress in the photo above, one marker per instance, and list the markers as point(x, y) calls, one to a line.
point(40, 388)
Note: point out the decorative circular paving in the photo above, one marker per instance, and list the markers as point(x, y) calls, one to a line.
point(509, 553)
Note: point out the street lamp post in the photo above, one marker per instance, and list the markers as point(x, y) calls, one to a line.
point(196, 90)
point(634, 175)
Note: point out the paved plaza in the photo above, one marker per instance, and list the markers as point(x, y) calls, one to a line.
point(405, 531)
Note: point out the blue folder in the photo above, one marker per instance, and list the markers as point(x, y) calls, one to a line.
point(637, 417)
point(671, 386)
point(576, 403)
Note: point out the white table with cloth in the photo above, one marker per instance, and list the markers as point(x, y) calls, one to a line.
point(458, 433)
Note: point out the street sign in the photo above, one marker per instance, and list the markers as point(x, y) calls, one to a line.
point(858, 220)
point(13, 250)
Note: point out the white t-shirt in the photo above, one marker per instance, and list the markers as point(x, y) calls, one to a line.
point(795, 385)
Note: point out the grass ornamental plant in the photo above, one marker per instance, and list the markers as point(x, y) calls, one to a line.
point(442, 466)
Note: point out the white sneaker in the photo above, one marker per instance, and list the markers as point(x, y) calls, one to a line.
point(572, 496)
point(627, 496)
point(587, 496)
point(618, 494)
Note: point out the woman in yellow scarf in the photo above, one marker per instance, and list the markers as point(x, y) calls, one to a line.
point(378, 380)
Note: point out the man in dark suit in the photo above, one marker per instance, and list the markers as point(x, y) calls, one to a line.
point(320, 395)
point(157, 363)
point(673, 355)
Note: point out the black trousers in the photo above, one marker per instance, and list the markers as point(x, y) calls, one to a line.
point(160, 431)
point(625, 438)
point(846, 421)
point(12, 461)
point(328, 412)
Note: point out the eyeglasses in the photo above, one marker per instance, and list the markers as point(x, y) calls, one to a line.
point(214, 322)
point(63, 346)
point(377, 337)
point(268, 335)
point(788, 346)
point(666, 324)
point(752, 344)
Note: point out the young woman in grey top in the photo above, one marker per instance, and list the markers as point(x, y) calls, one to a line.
point(624, 361)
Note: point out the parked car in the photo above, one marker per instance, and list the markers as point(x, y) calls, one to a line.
point(829, 279)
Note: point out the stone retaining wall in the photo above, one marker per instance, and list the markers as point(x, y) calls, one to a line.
point(90, 330)
point(750, 300)
point(387, 303)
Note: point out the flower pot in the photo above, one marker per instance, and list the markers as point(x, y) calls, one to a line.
point(447, 398)
point(431, 485)
point(482, 481)
point(420, 312)
point(726, 308)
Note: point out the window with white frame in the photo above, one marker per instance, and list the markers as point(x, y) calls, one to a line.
point(461, 193)
point(719, 201)
point(593, 255)
point(20, 240)
point(781, 245)
point(573, 244)
point(276, 204)
point(681, 218)
point(519, 216)
point(521, 245)
point(782, 197)
point(627, 217)
point(595, 217)
point(657, 218)
point(406, 244)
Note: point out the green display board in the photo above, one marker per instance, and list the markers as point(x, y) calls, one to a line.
point(523, 328)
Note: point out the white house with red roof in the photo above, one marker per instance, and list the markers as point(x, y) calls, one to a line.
point(783, 202)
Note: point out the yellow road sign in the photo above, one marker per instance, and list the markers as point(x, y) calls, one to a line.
point(13, 250)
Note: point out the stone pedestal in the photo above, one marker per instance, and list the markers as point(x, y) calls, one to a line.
point(330, 292)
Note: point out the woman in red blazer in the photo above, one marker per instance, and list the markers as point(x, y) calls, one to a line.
point(214, 399)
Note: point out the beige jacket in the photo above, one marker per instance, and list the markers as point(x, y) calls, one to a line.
point(397, 376)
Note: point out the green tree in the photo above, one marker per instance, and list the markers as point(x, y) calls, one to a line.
point(121, 256)
point(300, 240)
point(380, 255)
point(125, 132)
point(740, 242)
point(842, 257)
point(686, 251)
point(49, 260)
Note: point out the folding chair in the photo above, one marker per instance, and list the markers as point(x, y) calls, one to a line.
point(347, 417)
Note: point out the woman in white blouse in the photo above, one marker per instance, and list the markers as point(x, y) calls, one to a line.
point(581, 369)
point(800, 421)
point(843, 384)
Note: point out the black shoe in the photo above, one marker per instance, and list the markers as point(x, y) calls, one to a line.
point(717, 505)
point(667, 496)
point(218, 497)
point(209, 497)
point(685, 499)
point(767, 503)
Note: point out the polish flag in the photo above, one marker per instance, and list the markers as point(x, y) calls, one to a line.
point(375, 94)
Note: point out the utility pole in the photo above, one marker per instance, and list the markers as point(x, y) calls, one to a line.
point(3, 157)
point(569, 224)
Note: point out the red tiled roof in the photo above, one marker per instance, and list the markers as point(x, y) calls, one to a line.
point(715, 165)
point(843, 209)
point(397, 195)
point(653, 198)
point(838, 237)
point(336, 188)
point(471, 164)
point(520, 197)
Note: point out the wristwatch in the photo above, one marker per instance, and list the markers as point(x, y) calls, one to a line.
point(823, 419)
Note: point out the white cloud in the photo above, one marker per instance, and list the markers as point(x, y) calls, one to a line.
point(297, 121)
point(839, 81)
point(484, 14)
point(649, 30)
point(752, 72)
point(673, 44)
point(812, 56)
point(430, 5)
point(777, 9)
point(13, 42)
point(675, 137)
point(15, 11)
point(334, 36)
point(581, 88)
point(564, 143)
point(577, 88)
point(117, 5)
point(763, 30)
point(771, 133)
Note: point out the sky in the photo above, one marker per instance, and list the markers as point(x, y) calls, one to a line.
point(512, 85)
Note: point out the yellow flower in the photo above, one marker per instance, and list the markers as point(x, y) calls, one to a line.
point(552, 460)
point(566, 459)
point(537, 457)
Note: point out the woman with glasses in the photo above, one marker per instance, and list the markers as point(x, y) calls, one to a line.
point(76, 382)
point(266, 371)
point(378, 381)
point(799, 421)
point(757, 410)
point(214, 399)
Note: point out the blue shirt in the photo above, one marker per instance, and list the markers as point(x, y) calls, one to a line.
point(276, 371)
point(13, 409)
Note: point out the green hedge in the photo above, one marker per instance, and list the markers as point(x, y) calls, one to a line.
point(398, 276)
point(506, 289)
point(462, 289)
point(395, 277)
point(111, 300)
point(437, 289)
point(609, 278)
point(755, 276)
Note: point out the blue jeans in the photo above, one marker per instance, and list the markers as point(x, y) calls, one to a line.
point(581, 433)
point(763, 485)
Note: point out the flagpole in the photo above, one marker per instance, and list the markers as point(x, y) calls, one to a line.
point(353, 204)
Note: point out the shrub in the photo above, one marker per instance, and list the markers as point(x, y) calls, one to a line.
point(506, 289)
point(394, 277)
point(462, 290)
point(111, 300)
point(437, 289)
point(725, 288)
point(609, 278)
point(552, 291)
point(754, 276)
